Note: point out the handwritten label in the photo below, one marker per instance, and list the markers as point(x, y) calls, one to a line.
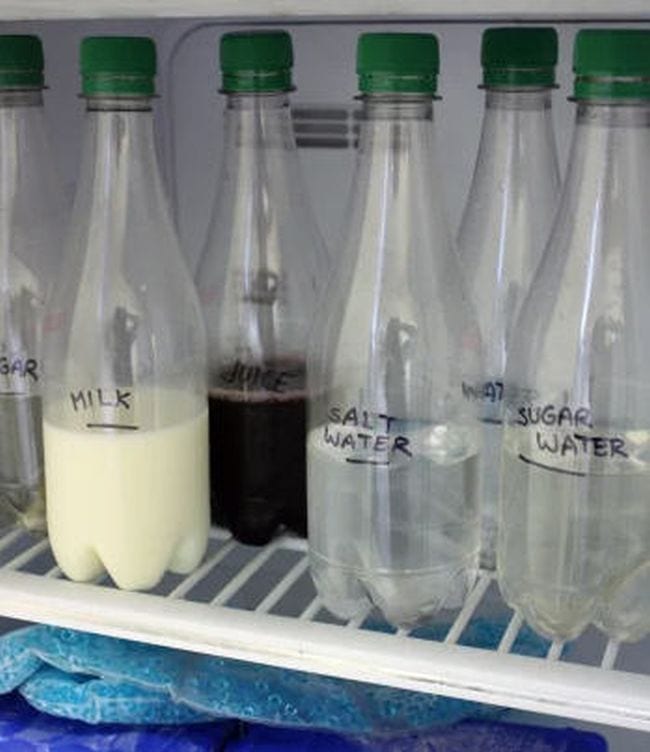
point(368, 438)
point(87, 399)
point(575, 444)
point(269, 378)
point(490, 391)
point(564, 439)
point(553, 415)
point(106, 406)
point(19, 366)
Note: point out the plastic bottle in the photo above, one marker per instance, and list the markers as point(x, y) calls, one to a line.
point(31, 219)
point(507, 219)
point(125, 409)
point(259, 281)
point(575, 521)
point(393, 443)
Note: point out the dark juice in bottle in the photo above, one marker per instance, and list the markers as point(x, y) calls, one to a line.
point(258, 457)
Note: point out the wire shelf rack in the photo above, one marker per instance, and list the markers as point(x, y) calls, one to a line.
point(258, 604)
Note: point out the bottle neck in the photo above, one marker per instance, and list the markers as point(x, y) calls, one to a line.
point(510, 208)
point(396, 194)
point(10, 98)
point(394, 130)
point(23, 141)
point(403, 109)
point(258, 122)
point(119, 147)
point(119, 137)
point(610, 154)
point(119, 167)
point(517, 137)
point(526, 100)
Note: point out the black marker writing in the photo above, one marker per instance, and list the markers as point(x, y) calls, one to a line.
point(86, 399)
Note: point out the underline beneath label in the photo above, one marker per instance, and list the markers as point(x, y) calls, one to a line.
point(551, 468)
point(119, 426)
point(354, 461)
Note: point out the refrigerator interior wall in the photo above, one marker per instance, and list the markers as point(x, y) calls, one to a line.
point(189, 129)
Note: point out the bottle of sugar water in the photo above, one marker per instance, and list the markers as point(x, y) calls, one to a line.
point(575, 518)
point(393, 443)
point(31, 220)
point(125, 408)
point(507, 218)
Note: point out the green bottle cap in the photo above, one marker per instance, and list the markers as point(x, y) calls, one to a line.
point(118, 66)
point(256, 61)
point(612, 64)
point(398, 63)
point(516, 56)
point(21, 62)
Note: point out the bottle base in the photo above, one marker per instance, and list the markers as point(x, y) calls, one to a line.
point(406, 599)
point(23, 508)
point(622, 612)
point(256, 522)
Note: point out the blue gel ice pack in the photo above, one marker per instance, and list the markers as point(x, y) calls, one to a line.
point(486, 736)
point(24, 729)
point(103, 679)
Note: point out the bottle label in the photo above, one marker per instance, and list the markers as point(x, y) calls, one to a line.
point(365, 437)
point(489, 396)
point(19, 372)
point(104, 408)
point(276, 378)
point(565, 439)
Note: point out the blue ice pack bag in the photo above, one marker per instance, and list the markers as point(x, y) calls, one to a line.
point(485, 736)
point(103, 679)
point(24, 729)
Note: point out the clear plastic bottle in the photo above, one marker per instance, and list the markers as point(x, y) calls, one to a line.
point(259, 281)
point(574, 542)
point(125, 409)
point(507, 219)
point(31, 220)
point(393, 443)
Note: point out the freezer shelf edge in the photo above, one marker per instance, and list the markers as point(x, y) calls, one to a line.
point(275, 10)
point(554, 688)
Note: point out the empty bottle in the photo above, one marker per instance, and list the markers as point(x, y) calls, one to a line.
point(125, 409)
point(575, 521)
point(507, 219)
point(259, 281)
point(393, 443)
point(31, 219)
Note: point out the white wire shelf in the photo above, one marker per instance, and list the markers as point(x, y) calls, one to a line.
point(260, 605)
point(576, 10)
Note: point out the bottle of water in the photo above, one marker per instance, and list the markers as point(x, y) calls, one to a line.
point(507, 218)
point(125, 408)
point(259, 281)
point(393, 442)
point(574, 542)
point(31, 220)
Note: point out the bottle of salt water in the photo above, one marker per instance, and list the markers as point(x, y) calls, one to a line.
point(574, 541)
point(31, 220)
point(259, 281)
point(393, 444)
point(507, 218)
point(125, 413)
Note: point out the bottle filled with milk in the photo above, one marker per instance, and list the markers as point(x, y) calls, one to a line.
point(574, 543)
point(507, 219)
point(259, 280)
point(31, 220)
point(393, 442)
point(125, 409)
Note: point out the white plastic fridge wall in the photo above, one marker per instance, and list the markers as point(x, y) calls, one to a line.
point(189, 120)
